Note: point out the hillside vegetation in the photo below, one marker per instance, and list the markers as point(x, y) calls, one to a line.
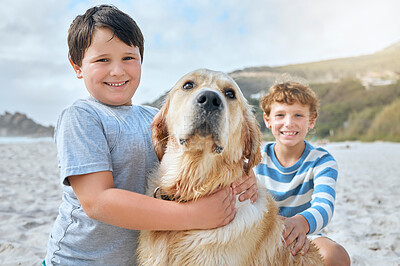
point(359, 96)
point(349, 111)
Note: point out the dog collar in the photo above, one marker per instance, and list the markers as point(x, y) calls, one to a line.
point(162, 196)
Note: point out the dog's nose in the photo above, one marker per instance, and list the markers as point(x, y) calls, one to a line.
point(209, 101)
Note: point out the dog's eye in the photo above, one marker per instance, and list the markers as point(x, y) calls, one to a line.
point(230, 94)
point(188, 85)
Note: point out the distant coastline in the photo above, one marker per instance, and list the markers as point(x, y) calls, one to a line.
point(19, 125)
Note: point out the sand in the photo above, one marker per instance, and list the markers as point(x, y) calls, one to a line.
point(366, 220)
point(29, 197)
point(367, 212)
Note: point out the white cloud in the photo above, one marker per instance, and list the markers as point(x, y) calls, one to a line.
point(181, 36)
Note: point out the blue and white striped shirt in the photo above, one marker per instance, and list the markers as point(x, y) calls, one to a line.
point(306, 188)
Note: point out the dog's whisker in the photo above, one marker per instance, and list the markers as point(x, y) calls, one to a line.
point(166, 138)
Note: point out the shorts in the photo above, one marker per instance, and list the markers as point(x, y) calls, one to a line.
point(315, 236)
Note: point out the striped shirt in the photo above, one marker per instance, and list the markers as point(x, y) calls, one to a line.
point(306, 188)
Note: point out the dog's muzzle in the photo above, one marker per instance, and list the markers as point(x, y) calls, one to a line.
point(207, 120)
point(208, 112)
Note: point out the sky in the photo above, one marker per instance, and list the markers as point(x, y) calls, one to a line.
point(181, 36)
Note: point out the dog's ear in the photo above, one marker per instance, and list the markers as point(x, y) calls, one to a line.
point(251, 136)
point(159, 131)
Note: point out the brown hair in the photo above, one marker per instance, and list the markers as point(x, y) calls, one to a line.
point(289, 93)
point(82, 28)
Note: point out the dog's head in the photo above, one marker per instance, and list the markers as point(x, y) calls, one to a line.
point(206, 112)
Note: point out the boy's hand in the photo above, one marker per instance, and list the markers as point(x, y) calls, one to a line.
point(248, 185)
point(296, 229)
point(213, 211)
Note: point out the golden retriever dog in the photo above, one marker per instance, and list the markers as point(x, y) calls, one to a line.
point(204, 134)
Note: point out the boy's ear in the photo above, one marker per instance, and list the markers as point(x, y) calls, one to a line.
point(266, 120)
point(77, 69)
point(312, 123)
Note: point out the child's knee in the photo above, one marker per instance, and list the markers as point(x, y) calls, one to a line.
point(337, 256)
point(332, 252)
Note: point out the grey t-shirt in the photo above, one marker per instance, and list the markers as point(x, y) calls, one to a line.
point(93, 137)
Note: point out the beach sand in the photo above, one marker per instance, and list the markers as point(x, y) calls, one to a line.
point(29, 197)
point(367, 211)
point(366, 220)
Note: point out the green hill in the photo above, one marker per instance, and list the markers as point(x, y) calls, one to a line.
point(382, 66)
point(360, 96)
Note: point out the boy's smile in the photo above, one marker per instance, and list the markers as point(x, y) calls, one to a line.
point(289, 133)
point(110, 69)
point(116, 84)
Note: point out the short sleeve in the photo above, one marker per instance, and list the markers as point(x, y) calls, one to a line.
point(81, 143)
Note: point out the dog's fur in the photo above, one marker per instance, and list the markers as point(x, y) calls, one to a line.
point(204, 134)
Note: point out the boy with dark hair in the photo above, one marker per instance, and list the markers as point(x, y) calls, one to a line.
point(105, 153)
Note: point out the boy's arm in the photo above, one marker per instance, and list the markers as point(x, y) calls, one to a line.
point(101, 201)
point(323, 198)
point(321, 210)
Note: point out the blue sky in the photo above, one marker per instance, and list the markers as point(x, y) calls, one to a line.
point(181, 36)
